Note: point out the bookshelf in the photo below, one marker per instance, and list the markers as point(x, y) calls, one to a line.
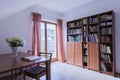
point(90, 42)
point(84, 43)
point(74, 41)
point(107, 42)
point(93, 48)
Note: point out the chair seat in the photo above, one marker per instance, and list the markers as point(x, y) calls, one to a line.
point(35, 70)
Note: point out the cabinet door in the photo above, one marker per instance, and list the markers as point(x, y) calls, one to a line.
point(78, 54)
point(93, 55)
point(70, 52)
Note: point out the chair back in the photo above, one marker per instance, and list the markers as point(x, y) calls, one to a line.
point(30, 52)
point(47, 55)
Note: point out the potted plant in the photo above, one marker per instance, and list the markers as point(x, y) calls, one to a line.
point(15, 42)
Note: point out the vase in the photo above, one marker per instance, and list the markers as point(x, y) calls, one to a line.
point(14, 52)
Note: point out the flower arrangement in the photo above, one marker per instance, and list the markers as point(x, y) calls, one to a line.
point(15, 41)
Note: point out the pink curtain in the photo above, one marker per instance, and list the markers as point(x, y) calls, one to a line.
point(36, 33)
point(61, 56)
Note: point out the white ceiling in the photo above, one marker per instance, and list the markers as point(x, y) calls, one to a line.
point(9, 7)
point(62, 6)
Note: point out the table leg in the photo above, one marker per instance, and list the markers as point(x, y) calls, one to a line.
point(11, 75)
point(15, 74)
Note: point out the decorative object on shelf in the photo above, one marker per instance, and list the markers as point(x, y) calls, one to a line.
point(14, 43)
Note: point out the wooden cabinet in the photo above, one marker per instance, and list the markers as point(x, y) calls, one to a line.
point(74, 53)
point(93, 55)
point(70, 52)
point(78, 53)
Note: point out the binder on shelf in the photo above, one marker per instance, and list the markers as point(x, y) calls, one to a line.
point(85, 21)
point(108, 50)
point(109, 59)
point(103, 67)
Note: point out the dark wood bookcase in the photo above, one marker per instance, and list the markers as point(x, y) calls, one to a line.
point(107, 53)
point(91, 41)
point(93, 45)
point(74, 41)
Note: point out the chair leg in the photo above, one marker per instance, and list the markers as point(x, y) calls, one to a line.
point(23, 77)
point(38, 78)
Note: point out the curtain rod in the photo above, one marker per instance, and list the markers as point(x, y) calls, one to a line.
point(44, 15)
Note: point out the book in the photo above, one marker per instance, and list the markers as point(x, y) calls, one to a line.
point(108, 50)
point(85, 21)
point(31, 58)
point(103, 67)
point(109, 59)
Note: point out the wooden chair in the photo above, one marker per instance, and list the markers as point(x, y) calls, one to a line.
point(30, 52)
point(37, 71)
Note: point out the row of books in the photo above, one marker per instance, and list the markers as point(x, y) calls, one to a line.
point(93, 20)
point(106, 39)
point(92, 38)
point(79, 23)
point(85, 52)
point(84, 34)
point(74, 31)
point(85, 38)
point(75, 24)
point(106, 67)
point(93, 28)
point(107, 30)
point(84, 28)
point(75, 38)
point(105, 48)
point(106, 58)
point(105, 23)
point(103, 66)
point(105, 17)
point(85, 59)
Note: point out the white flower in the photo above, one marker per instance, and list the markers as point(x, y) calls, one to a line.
point(15, 41)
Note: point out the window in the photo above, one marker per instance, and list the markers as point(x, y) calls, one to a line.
point(48, 38)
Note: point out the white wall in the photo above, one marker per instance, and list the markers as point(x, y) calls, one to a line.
point(98, 7)
point(15, 25)
point(20, 24)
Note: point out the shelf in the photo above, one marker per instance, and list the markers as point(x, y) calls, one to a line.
point(110, 20)
point(85, 62)
point(107, 62)
point(84, 24)
point(93, 24)
point(74, 34)
point(85, 42)
point(108, 72)
point(85, 48)
point(106, 42)
point(106, 26)
point(93, 32)
point(106, 53)
point(74, 27)
point(106, 35)
point(86, 55)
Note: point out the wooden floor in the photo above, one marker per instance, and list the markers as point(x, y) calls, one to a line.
point(64, 71)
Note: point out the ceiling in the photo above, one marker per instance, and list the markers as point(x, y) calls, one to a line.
point(9, 7)
point(62, 6)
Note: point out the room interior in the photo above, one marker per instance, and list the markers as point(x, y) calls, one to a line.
point(16, 19)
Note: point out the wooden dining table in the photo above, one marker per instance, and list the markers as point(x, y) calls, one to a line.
point(11, 64)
